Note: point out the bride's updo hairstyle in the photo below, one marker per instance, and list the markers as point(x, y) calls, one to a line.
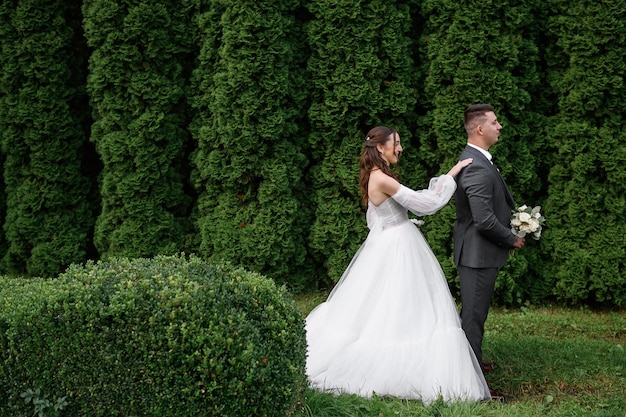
point(371, 157)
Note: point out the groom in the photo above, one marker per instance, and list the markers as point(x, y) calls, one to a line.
point(482, 232)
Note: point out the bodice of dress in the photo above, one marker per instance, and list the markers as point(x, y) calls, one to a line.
point(394, 210)
point(388, 213)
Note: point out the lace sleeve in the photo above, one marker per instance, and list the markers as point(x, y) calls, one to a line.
point(429, 201)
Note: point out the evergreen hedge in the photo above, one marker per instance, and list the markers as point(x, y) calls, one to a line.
point(586, 205)
point(136, 84)
point(251, 152)
point(47, 217)
point(232, 129)
point(153, 337)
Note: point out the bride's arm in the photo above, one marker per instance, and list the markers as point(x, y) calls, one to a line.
point(429, 201)
point(439, 192)
point(422, 202)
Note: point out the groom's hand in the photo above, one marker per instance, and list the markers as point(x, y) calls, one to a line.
point(519, 242)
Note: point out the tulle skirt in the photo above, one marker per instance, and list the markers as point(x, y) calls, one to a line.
point(390, 327)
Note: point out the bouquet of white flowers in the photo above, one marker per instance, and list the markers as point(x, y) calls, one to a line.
point(527, 221)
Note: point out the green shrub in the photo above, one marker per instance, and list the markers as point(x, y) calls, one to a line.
point(153, 337)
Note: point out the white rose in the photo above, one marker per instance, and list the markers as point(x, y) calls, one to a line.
point(524, 217)
point(522, 208)
point(534, 224)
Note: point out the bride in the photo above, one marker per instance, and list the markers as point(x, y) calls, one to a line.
point(390, 326)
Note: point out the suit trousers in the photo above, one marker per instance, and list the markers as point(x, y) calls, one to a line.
point(477, 285)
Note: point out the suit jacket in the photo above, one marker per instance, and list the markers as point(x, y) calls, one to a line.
point(482, 231)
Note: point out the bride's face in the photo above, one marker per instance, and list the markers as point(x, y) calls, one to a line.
point(390, 151)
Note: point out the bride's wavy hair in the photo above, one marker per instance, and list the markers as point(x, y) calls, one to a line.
point(372, 159)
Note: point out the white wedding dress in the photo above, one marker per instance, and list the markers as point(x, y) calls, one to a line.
point(390, 326)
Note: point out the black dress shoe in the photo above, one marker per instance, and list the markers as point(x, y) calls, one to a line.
point(487, 367)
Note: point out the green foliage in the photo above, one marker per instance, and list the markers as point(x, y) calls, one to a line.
point(250, 160)
point(586, 205)
point(233, 129)
point(43, 406)
point(3, 242)
point(136, 85)
point(154, 337)
point(361, 76)
point(48, 217)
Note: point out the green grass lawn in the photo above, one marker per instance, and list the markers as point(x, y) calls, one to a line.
point(553, 362)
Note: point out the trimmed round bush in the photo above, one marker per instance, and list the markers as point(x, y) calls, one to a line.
point(167, 336)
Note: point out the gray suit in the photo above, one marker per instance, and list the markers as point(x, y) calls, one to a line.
point(482, 239)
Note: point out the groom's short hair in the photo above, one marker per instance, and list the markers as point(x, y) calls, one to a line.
point(473, 113)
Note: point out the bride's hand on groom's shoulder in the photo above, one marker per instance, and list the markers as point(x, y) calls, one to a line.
point(459, 166)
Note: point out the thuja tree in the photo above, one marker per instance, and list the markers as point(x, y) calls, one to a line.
point(586, 207)
point(5, 28)
point(136, 86)
point(482, 52)
point(3, 242)
point(47, 214)
point(250, 158)
point(362, 76)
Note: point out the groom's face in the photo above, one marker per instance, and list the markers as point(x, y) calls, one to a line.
point(490, 128)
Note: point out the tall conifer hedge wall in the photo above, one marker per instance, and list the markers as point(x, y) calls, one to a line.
point(137, 78)
point(251, 153)
point(232, 129)
point(585, 254)
point(48, 216)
